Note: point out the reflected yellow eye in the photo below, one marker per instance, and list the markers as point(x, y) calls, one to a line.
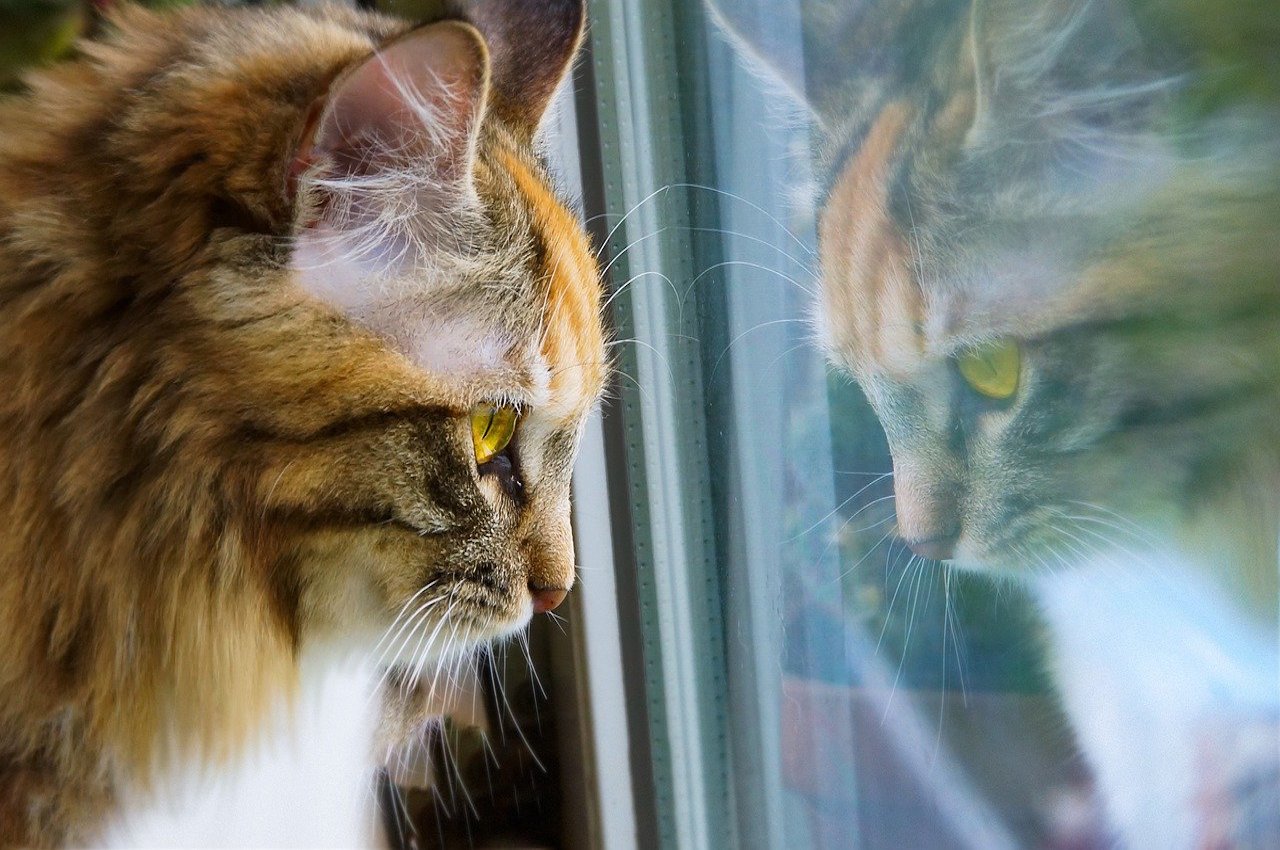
point(993, 370)
point(492, 427)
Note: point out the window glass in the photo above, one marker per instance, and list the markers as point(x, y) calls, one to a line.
point(947, 418)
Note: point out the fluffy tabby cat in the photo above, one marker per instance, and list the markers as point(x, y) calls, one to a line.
point(1050, 247)
point(294, 338)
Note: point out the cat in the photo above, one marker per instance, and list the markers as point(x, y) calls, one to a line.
point(1050, 256)
point(297, 344)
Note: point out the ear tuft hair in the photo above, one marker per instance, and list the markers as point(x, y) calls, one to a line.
point(421, 95)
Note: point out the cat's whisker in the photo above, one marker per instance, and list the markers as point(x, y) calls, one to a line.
point(1147, 535)
point(665, 363)
point(860, 511)
point(1113, 527)
point(635, 278)
point(836, 538)
point(662, 190)
point(561, 622)
point(497, 662)
point(1134, 560)
point(639, 386)
point(757, 240)
point(733, 196)
point(920, 258)
point(604, 271)
point(840, 533)
point(402, 611)
point(390, 640)
point(837, 508)
point(1066, 539)
point(920, 566)
point(1109, 542)
point(1102, 546)
point(793, 349)
point(458, 782)
point(419, 619)
point(399, 811)
point(953, 623)
point(422, 653)
point(515, 722)
point(745, 264)
point(266, 500)
point(539, 690)
point(942, 691)
point(716, 366)
point(888, 614)
point(412, 666)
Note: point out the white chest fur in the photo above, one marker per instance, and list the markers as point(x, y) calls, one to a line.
point(1173, 692)
point(307, 784)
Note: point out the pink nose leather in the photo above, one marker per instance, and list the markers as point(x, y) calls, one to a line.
point(546, 598)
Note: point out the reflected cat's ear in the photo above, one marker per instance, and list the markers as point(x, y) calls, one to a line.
point(975, 68)
point(817, 49)
point(419, 98)
point(532, 43)
point(838, 57)
point(770, 35)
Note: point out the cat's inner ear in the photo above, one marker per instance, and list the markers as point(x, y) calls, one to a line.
point(533, 43)
point(417, 102)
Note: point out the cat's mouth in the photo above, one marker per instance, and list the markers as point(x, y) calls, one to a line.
point(485, 605)
point(453, 619)
point(1019, 548)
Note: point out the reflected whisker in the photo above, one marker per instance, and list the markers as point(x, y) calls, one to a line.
point(894, 599)
point(844, 502)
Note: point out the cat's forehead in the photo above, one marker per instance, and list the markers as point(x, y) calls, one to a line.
point(568, 277)
point(873, 312)
point(892, 305)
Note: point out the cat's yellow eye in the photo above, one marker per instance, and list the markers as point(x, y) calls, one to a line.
point(492, 427)
point(993, 370)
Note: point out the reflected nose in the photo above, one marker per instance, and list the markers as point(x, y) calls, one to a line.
point(941, 548)
point(546, 598)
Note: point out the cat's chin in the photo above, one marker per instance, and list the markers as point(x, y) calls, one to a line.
point(978, 560)
point(423, 643)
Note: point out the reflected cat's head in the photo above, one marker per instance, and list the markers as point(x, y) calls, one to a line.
point(1059, 299)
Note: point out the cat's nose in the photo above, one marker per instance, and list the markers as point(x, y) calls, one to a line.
point(546, 598)
point(941, 548)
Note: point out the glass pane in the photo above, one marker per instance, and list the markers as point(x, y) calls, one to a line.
point(988, 334)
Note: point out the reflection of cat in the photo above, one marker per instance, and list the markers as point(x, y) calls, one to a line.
point(296, 346)
point(1051, 257)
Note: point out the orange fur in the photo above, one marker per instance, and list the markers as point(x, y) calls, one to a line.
point(880, 320)
point(572, 336)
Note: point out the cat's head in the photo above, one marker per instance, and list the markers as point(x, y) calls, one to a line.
point(426, 216)
point(370, 331)
point(1065, 322)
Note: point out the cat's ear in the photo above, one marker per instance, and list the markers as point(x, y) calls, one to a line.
point(815, 48)
point(836, 56)
point(419, 98)
point(769, 36)
point(532, 44)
